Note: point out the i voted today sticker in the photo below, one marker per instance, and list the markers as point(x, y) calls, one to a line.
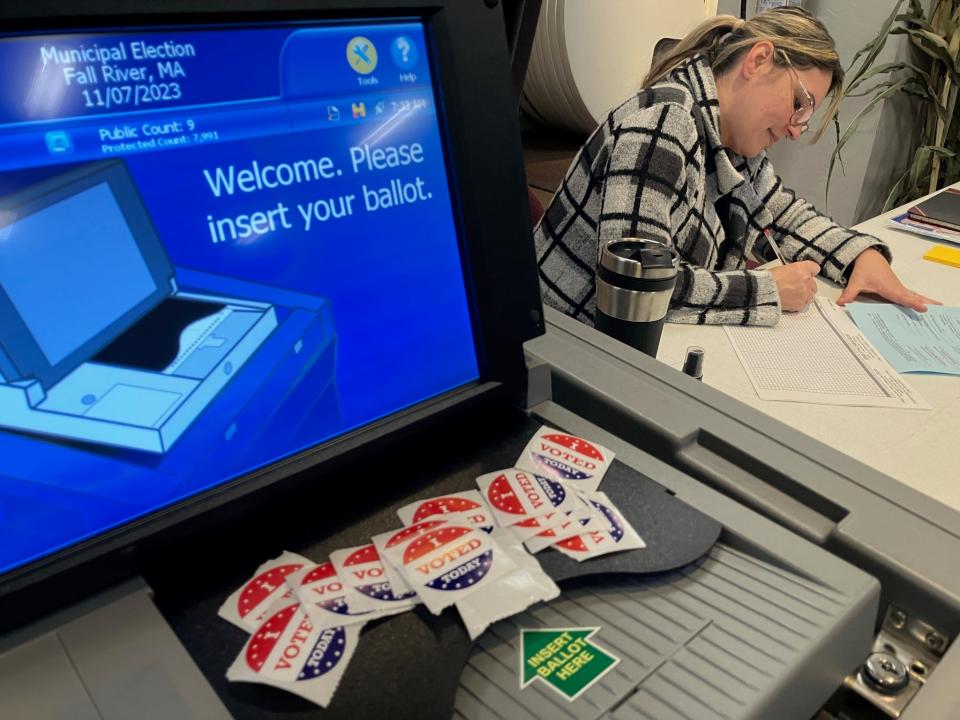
point(361, 569)
point(390, 543)
point(325, 598)
point(449, 562)
point(246, 606)
point(518, 495)
point(617, 535)
point(468, 507)
point(287, 651)
point(567, 458)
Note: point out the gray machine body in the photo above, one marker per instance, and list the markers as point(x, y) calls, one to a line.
point(731, 636)
point(857, 541)
point(815, 550)
point(110, 657)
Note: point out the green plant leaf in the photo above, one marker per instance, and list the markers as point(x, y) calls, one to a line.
point(855, 122)
point(921, 82)
point(920, 164)
point(924, 42)
point(932, 28)
point(919, 22)
point(931, 37)
point(894, 194)
point(886, 68)
point(851, 128)
point(872, 49)
point(834, 158)
point(942, 10)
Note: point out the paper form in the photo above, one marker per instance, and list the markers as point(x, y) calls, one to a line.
point(912, 341)
point(819, 356)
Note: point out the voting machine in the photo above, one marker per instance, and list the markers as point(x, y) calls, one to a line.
point(266, 275)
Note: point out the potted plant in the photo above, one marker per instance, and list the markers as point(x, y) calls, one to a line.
point(931, 75)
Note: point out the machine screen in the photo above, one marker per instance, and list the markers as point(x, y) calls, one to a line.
point(219, 246)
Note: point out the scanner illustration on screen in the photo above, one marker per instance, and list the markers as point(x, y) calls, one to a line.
point(102, 339)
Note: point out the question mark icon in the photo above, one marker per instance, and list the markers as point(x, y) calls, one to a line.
point(404, 53)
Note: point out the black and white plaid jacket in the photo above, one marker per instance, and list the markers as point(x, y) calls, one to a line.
point(656, 167)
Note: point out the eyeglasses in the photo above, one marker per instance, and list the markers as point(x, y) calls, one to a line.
point(802, 110)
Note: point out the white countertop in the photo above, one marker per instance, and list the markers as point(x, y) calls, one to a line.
point(920, 448)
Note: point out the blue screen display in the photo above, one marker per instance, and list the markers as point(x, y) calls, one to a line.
point(248, 230)
point(57, 304)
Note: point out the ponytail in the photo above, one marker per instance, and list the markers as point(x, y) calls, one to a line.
point(725, 38)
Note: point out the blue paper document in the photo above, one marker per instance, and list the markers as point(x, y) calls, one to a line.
point(912, 341)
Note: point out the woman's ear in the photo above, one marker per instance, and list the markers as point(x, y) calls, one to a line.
point(758, 59)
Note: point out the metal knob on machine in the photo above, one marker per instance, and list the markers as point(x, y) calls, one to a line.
point(635, 281)
point(885, 673)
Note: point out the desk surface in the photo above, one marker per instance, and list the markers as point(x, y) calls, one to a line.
point(918, 448)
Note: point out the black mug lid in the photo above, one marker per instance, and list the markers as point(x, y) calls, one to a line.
point(639, 258)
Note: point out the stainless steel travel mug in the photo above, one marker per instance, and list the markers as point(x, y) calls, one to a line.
point(635, 280)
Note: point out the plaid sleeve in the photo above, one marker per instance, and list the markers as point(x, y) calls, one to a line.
point(646, 176)
point(805, 234)
point(645, 192)
point(729, 297)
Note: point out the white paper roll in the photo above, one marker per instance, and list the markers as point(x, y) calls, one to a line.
point(589, 55)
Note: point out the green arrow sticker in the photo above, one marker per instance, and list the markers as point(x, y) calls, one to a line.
point(563, 658)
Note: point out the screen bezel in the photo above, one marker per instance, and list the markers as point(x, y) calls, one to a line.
point(481, 140)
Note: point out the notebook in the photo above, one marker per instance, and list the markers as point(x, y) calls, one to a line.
point(942, 209)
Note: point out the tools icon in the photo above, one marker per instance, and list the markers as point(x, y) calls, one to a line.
point(362, 55)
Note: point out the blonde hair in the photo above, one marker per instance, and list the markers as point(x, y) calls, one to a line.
point(724, 40)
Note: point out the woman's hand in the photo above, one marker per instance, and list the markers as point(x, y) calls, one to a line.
point(873, 274)
point(796, 284)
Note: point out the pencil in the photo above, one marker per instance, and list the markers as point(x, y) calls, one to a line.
point(776, 250)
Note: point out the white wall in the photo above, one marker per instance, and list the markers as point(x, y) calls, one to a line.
point(732, 7)
point(870, 157)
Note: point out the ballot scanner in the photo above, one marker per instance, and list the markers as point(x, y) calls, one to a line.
point(346, 178)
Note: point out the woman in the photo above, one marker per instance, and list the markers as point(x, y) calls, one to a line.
point(684, 161)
